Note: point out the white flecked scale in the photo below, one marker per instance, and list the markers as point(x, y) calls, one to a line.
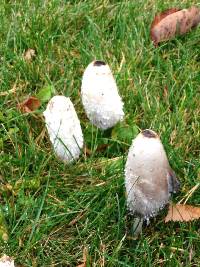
point(64, 128)
point(100, 97)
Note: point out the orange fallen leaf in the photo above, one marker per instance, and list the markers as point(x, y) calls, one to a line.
point(172, 22)
point(182, 213)
point(29, 105)
point(29, 54)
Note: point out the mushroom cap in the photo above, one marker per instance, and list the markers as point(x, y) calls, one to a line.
point(100, 96)
point(149, 179)
point(64, 128)
point(6, 261)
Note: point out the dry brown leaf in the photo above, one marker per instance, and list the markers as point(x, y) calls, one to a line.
point(29, 54)
point(182, 213)
point(172, 22)
point(29, 105)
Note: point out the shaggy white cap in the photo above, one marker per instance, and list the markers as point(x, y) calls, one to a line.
point(100, 97)
point(149, 179)
point(6, 261)
point(64, 128)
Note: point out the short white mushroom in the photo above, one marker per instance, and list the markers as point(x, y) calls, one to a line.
point(100, 97)
point(64, 128)
point(149, 179)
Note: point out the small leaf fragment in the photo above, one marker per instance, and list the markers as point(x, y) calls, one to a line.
point(85, 255)
point(182, 213)
point(29, 54)
point(29, 105)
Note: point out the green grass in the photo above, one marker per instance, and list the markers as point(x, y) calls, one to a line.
point(53, 211)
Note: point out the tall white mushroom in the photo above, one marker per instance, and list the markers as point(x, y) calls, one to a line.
point(100, 96)
point(149, 179)
point(64, 128)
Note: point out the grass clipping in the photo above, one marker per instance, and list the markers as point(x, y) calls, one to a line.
point(172, 22)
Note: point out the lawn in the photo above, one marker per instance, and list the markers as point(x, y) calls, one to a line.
point(54, 212)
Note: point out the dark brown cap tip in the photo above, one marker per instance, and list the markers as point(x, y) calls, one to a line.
point(149, 133)
point(99, 63)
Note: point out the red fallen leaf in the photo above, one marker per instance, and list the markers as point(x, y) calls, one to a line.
point(157, 19)
point(182, 213)
point(172, 22)
point(29, 105)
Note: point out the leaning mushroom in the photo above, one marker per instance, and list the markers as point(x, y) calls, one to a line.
point(149, 179)
point(64, 128)
point(100, 96)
